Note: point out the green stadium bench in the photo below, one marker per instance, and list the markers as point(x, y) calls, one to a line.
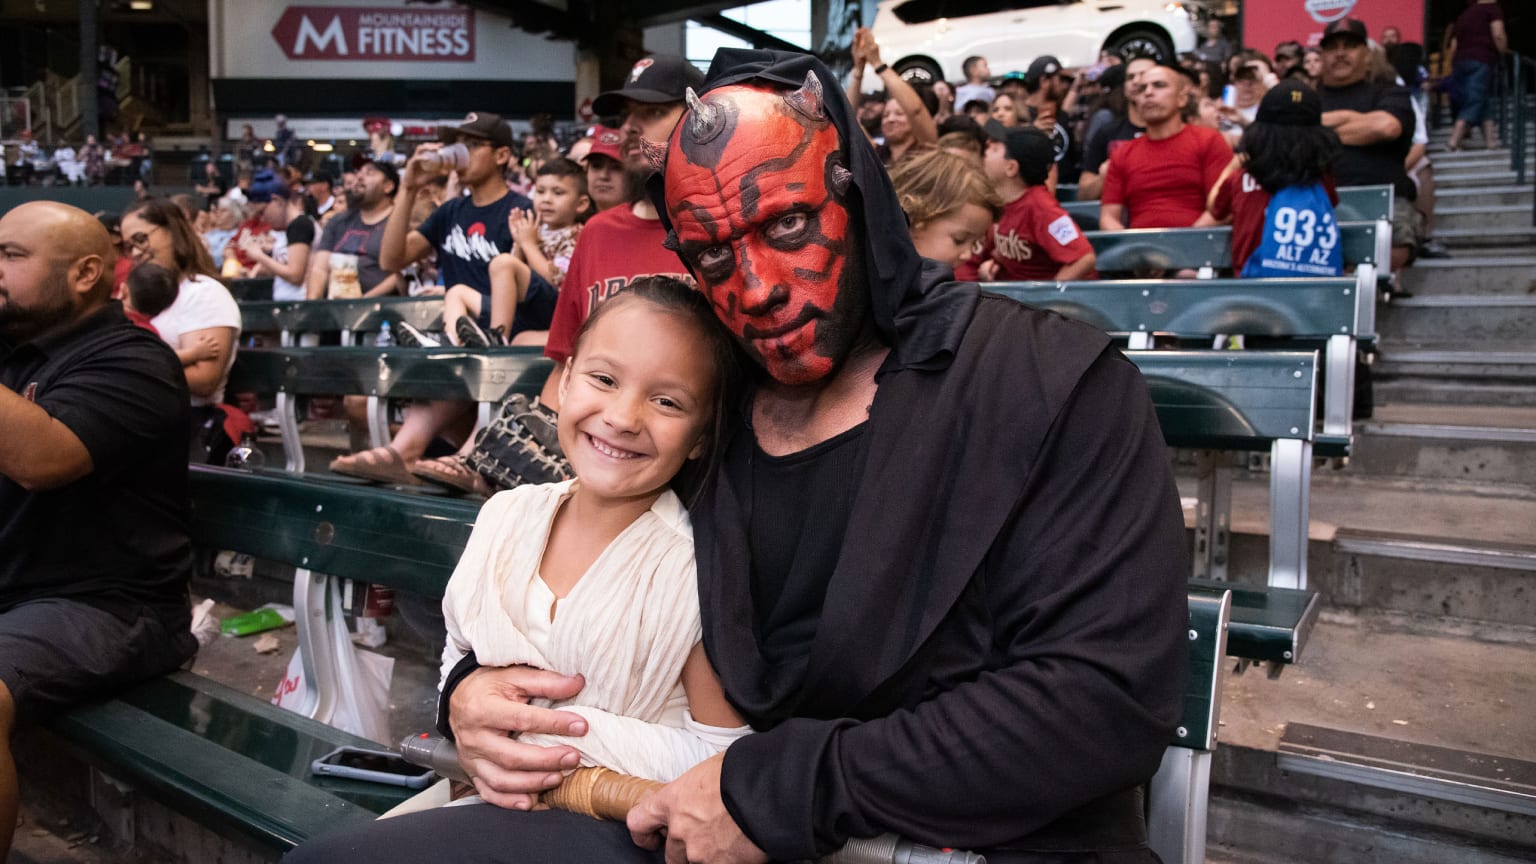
point(348, 317)
point(483, 375)
point(1157, 251)
point(241, 765)
point(1334, 314)
point(1356, 204)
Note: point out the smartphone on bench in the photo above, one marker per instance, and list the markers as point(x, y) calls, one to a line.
point(375, 766)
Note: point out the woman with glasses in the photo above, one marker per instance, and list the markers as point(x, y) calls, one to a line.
point(203, 325)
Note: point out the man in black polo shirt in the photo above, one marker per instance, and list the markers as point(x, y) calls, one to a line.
point(94, 552)
point(1373, 117)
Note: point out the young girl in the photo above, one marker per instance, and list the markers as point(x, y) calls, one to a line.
point(1278, 192)
point(596, 575)
point(950, 206)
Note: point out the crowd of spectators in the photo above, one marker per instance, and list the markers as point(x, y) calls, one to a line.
point(120, 158)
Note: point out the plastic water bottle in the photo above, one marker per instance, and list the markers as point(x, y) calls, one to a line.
point(386, 337)
point(246, 454)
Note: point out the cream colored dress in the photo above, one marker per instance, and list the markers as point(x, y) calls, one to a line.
point(627, 627)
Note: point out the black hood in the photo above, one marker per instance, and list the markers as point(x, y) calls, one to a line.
point(920, 320)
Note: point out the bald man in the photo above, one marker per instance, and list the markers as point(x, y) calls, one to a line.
point(94, 552)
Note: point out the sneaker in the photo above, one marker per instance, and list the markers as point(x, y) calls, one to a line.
point(408, 336)
point(471, 334)
point(499, 337)
point(1433, 249)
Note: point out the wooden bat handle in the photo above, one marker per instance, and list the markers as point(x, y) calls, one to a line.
point(599, 793)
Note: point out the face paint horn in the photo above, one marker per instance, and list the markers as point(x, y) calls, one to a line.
point(807, 100)
point(655, 154)
point(705, 121)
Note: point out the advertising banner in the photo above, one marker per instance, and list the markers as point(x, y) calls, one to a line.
point(1267, 23)
point(364, 33)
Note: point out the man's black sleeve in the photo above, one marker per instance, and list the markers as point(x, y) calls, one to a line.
point(122, 401)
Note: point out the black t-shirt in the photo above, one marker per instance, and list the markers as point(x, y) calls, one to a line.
point(301, 231)
point(1097, 150)
point(1380, 163)
point(116, 538)
point(800, 505)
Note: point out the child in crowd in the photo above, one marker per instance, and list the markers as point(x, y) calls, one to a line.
point(1278, 191)
point(151, 290)
point(595, 576)
point(1034, 239)
point(950, 206)
point(542, 243)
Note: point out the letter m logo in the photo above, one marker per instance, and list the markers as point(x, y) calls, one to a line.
point(308, 35)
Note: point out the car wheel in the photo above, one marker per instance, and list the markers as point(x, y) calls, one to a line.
point(1141, 42)
point(917, 70)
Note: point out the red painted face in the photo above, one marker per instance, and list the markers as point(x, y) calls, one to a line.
point(751, 188)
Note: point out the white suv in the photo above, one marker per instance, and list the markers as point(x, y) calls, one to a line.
point(929, 39)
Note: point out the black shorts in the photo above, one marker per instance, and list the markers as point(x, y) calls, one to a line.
point(58, 653)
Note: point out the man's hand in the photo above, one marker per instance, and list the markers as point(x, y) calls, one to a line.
point(489, 707)
point(690, 815)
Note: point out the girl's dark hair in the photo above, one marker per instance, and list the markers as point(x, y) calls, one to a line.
point(190, 251)
point(679, 298)
point(1279, 156)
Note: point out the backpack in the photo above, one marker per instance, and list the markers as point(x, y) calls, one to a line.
point(1301, 236)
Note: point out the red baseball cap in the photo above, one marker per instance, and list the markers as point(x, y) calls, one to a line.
point(605, 142)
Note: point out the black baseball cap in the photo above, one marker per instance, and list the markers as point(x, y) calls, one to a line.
point(1113, 78)
point(1351, 28)
point(1291, 103)
point(388, 169)
point(480, 124)
point(1189, 74)
point(1043, 67)
point(318, 176)
point(658, 79)
point(1027, 146)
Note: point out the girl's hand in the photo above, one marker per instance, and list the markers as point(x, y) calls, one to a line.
point(524, 226)
point(203, 347)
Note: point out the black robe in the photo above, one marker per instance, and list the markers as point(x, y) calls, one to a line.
point(1001, 654)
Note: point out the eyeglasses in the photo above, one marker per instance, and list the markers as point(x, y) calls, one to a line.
point(140, 241)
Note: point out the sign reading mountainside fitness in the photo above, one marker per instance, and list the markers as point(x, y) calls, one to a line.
point(371, 33)
point(1269, 22)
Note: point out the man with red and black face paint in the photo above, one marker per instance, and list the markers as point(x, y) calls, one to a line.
point(932, 507)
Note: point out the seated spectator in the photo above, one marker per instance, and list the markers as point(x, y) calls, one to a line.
point(19, 170)
point(907, 124)
point(345, 262)
point(213, 184)
point(293, 234)
point(1250, 82)
point(1288, 56)
point(607, 184)
point(237, 262)
point(203, 325)
point(1373, 117)
point(1312, 68)
point(1279, 193)
point(1003, 111)
point(93, 158)
point(319, 193)
point(151, 290)
point(950, 206)
point(1162, 179)
point(227, 215)
point(1034, 238)
point(975, 89)
point(93, 426)
point(978, 111)
point(871, 112)
point(1117, 121)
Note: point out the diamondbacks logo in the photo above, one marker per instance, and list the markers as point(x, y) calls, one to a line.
point(1327, 11)
point(469, 118)
point(645, 63)
point(609, 137)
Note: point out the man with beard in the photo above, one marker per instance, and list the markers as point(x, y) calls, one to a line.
point(622, 242)
point(93, 438)
point(346, 260)
point(941, 566)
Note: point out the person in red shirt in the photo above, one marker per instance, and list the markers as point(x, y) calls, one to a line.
point(624, 242)
point(1034, 239)
point(1164, 177)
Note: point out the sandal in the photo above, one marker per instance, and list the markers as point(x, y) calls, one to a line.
point(381, 464)
point(453, 472)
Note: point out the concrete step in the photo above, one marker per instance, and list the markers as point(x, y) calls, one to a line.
point(1472, 238)
point(1476, 177)
point(1452, 390)
point(1457, 196)
point(1474, 272)
point(1445, 451)
point(1482, 216)
point(1492, 374)
point(1474, 318)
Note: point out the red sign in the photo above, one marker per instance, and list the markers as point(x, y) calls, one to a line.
point(366, 33)
point(1271, 22)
